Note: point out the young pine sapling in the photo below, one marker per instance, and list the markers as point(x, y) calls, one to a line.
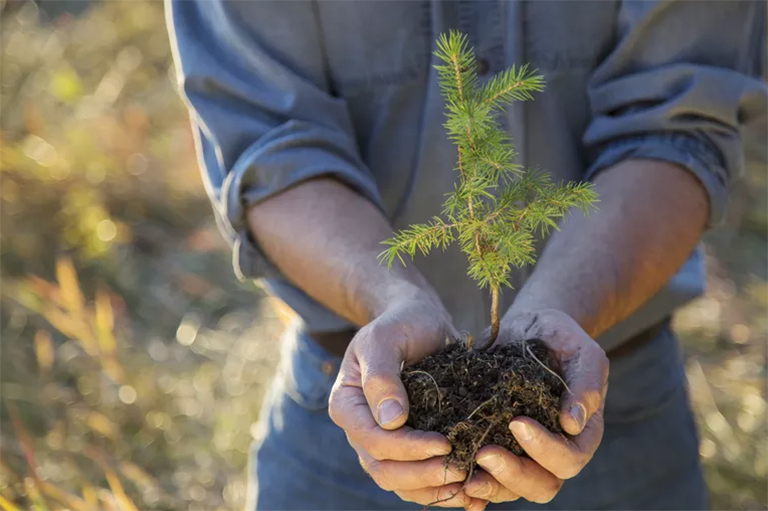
point(497, 207)
point(495, 212)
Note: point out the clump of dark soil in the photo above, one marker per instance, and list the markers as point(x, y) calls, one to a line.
point(470, 396)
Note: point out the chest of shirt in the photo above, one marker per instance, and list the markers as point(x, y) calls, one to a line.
point(379, 60)
point(381, 44)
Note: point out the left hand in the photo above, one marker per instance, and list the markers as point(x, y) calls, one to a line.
point(553, 458)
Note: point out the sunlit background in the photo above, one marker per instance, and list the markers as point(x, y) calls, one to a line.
point(133, 362)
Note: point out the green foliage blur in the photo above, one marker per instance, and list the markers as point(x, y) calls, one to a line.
point(133, 364)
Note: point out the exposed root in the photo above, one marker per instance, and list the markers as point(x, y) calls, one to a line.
point(479, 407)
point(542, 364)
point(446, 499)
point(479, 444)
point(437, 388)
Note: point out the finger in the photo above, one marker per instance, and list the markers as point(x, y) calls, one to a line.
point(409, 475)
point(521, 476)
point(450, 495)
point(563, 457)
point(349, 409)
point(476, 505)
point(484, 486)
point(587, 377)
point(380, 359)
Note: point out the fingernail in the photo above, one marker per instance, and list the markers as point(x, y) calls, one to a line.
point(521, 431)
point(389, 410)
point(579, 414)
point(490, 462)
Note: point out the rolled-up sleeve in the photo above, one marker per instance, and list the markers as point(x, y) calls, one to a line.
point(262, 115)
point(682, 85)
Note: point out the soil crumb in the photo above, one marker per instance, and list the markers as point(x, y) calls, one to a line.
point(471, 396)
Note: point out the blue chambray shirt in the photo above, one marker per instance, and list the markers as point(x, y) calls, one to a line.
point(281, 92)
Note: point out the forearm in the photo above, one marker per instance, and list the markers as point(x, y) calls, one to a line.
point(325, 238)
point(600, 269)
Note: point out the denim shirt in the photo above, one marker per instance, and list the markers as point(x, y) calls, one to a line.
point(282, 92)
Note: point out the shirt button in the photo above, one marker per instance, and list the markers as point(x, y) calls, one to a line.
point(482, 67)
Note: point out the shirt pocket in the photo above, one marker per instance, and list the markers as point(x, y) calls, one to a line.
point(307, 371)
point(645, 382)
point(373, 45)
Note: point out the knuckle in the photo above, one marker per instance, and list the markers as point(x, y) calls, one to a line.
point(374, 450)
point(381, 476)
point(582, 458)
point(431, 478)
point(407, 496)
point(425, 479)
point(593, 397)
point(450, 497)
point(543, 498)
point(378, 382)
point(548, 493)
point(507, 470)
point(368, 443)
point(334, 409)
point(605, 372)
point(544, 450)
point(601, 361)
point(363, 463)
point(602, 358)
point(506, 497)
point(374, 332)
point(569, 470)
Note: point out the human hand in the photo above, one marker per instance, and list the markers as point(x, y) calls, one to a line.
point(370, 404)
point(553, 458)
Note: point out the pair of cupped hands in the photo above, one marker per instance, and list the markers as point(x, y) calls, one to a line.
point(370, 404)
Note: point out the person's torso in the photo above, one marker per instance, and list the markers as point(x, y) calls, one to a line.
point(379, 61)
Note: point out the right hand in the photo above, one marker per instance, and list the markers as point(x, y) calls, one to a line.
point(370, 404)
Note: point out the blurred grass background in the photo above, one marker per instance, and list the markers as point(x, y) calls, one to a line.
point(133, 363)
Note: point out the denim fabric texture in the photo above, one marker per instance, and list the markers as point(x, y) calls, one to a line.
point(648, 458)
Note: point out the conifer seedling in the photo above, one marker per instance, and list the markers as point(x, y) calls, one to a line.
point(497, 207)
point(495, 212)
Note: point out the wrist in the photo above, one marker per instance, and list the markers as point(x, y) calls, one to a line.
point(530, 302)
point(381, 290)
point(401, 291)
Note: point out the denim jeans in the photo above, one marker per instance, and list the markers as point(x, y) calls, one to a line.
point(648, 458)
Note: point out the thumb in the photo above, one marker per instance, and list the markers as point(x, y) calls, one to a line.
point(587, 376)
point(380, 362)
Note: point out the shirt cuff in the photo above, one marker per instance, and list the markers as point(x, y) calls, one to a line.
point(698, 156)
point(296, 152)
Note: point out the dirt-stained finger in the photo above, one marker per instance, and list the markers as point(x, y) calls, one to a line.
point(563, 457)
point(587, 377)
point(410, 475)
point(521, 476)
point(450, 495)
point(484, 486)
point(350, 411)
